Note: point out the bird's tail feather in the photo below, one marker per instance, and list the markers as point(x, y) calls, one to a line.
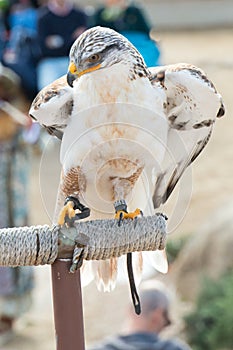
point(158, 259)
point(105, 274)
point(87, 275)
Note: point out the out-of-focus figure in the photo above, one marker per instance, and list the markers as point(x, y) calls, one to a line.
point(130, 21)
point(15, 283)
point(59, 24)
point(3, 5)
point(142, 332)
point(21, 48)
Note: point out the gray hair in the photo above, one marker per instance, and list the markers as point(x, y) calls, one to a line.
point(152, 299)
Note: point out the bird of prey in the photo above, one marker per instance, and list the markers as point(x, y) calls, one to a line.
point(128, 131)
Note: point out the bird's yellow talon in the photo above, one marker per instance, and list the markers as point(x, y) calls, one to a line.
point(134, 214)
point(123, 215)
point(67, 210)
point(119, 214)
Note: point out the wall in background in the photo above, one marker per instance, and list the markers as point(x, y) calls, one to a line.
point(184, 14)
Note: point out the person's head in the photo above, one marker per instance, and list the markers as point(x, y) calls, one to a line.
point(155, 312)
point(60, 3)
point(118, 3)
point(60, 7)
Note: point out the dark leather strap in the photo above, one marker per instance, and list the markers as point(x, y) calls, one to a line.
point(133, 289)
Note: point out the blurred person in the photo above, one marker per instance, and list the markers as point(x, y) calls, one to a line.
point(59, 25)
point(16, 284)
point(21, 49)
point(129, 20)
point(143, 330)
point(3, 5)
point(20, 13)
point(121, 16)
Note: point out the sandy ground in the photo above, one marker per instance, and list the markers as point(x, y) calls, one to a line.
point(211, 187)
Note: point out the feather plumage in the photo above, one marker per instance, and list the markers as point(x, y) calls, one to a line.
point(131, 131)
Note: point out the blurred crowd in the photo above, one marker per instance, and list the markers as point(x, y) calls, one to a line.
point(35, 36)
point(36, 39)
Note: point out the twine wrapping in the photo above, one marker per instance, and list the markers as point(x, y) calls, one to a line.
point(93, 240)
point(106, 239)
point(24, 246)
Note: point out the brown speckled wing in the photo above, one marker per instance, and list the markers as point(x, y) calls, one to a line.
point(52, 106)
point(192, 106)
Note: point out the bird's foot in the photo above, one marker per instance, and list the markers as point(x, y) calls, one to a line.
point(68, 214)
point(122, 213)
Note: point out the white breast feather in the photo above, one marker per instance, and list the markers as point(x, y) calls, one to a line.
point(124, 119)
point(114, 109)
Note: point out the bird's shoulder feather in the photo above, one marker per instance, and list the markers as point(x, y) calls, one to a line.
point(53, 105)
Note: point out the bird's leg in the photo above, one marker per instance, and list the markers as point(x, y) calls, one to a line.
point(122, 188)
point(68, 213)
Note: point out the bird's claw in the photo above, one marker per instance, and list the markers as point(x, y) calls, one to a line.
point(124, 215)
point(121, 213)
point(68, 213)
point(119, 216)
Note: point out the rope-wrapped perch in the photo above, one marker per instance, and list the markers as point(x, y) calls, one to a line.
point(24, 246)
point(95, 240)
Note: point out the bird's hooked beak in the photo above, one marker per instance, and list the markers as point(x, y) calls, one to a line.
point(74, 73)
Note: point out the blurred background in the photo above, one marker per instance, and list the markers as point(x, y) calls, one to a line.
point(200, 243)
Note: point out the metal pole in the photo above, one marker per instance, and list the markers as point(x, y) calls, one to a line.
point(67, 304)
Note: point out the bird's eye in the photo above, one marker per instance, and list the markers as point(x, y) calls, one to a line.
point(94, 58)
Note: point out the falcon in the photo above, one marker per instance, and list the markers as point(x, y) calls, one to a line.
point(128, 132)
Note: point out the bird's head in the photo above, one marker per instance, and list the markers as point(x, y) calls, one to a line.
point(99, 48)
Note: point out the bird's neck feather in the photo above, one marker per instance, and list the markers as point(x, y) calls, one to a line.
point(109, 85)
